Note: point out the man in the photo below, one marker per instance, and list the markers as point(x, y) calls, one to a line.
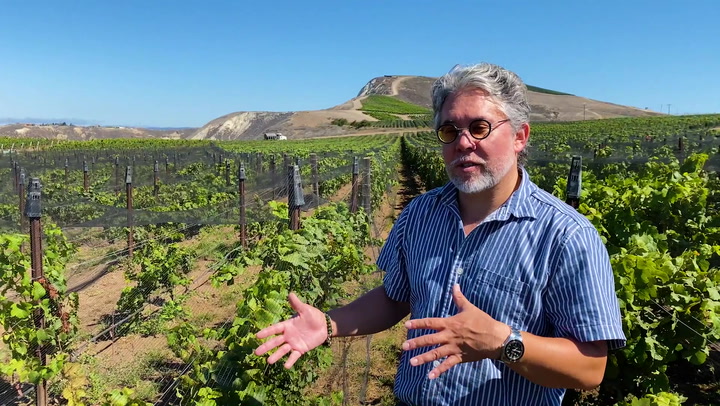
point(510, 291)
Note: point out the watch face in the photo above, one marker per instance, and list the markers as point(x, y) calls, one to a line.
point(514, 350)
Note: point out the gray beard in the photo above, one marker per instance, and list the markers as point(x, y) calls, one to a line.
point(477, 185)
point(487, 180)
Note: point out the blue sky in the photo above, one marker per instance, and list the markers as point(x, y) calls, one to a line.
point(172, 63)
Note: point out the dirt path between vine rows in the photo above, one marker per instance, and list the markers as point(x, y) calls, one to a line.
point(350, 372)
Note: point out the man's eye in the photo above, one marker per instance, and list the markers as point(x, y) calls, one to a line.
point(479, 128)
point(448, 130)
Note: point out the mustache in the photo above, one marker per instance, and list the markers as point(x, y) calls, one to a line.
point(467, 159)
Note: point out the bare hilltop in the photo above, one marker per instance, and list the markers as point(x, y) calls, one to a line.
point(546, 105)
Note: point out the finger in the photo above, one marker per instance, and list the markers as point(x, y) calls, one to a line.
point(269, 345)
point(277, 328)
point(281, 352)
point(432, 355)
point(460, 300)
point(294, 356)
point(296, 303)
point(449, 362)
point(424, 341)
point(432, 323)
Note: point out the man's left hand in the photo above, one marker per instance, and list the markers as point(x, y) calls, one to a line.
point(470, 335)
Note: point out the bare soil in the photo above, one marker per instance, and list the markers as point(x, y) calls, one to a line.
point(99, 288)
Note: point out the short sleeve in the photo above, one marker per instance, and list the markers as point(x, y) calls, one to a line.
point(580, 298)
point(392, 261)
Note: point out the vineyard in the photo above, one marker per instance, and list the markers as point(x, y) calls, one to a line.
point(136, 272)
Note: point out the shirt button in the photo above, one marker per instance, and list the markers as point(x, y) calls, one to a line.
point(459, 271)
point(436, 364)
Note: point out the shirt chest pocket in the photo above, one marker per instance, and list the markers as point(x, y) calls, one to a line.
point(503, 298)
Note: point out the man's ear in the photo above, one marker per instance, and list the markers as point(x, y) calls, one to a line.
point(522, 136)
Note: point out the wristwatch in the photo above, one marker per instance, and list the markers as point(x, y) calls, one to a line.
point(513, 348)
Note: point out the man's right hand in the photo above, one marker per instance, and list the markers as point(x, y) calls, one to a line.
point(296, 336)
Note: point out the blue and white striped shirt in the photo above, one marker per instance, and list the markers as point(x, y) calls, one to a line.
point(534, 264)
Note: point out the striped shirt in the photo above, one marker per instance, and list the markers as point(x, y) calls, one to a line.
point(534, 264)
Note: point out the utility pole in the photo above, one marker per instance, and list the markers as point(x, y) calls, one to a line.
point(669, 108)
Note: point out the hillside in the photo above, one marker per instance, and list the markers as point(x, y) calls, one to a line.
point(79, 133)
point(545, 105)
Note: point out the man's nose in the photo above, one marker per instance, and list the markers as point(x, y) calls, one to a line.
point(465, 140)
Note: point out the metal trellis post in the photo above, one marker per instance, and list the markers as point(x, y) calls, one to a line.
point(354, 184)
point(574, 182)
point(86, 183)
point(241, 192)
point(366, 189)
point(33, 211)
point(296, 199)
point(129, 196)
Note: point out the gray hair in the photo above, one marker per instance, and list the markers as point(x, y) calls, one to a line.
point(503, 86)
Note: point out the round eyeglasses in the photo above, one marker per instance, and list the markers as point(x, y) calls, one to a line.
point(478, 129)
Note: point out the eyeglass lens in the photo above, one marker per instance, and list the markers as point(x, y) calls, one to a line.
point(478, 129)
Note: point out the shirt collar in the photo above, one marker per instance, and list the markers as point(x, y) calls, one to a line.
point(518, 205)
